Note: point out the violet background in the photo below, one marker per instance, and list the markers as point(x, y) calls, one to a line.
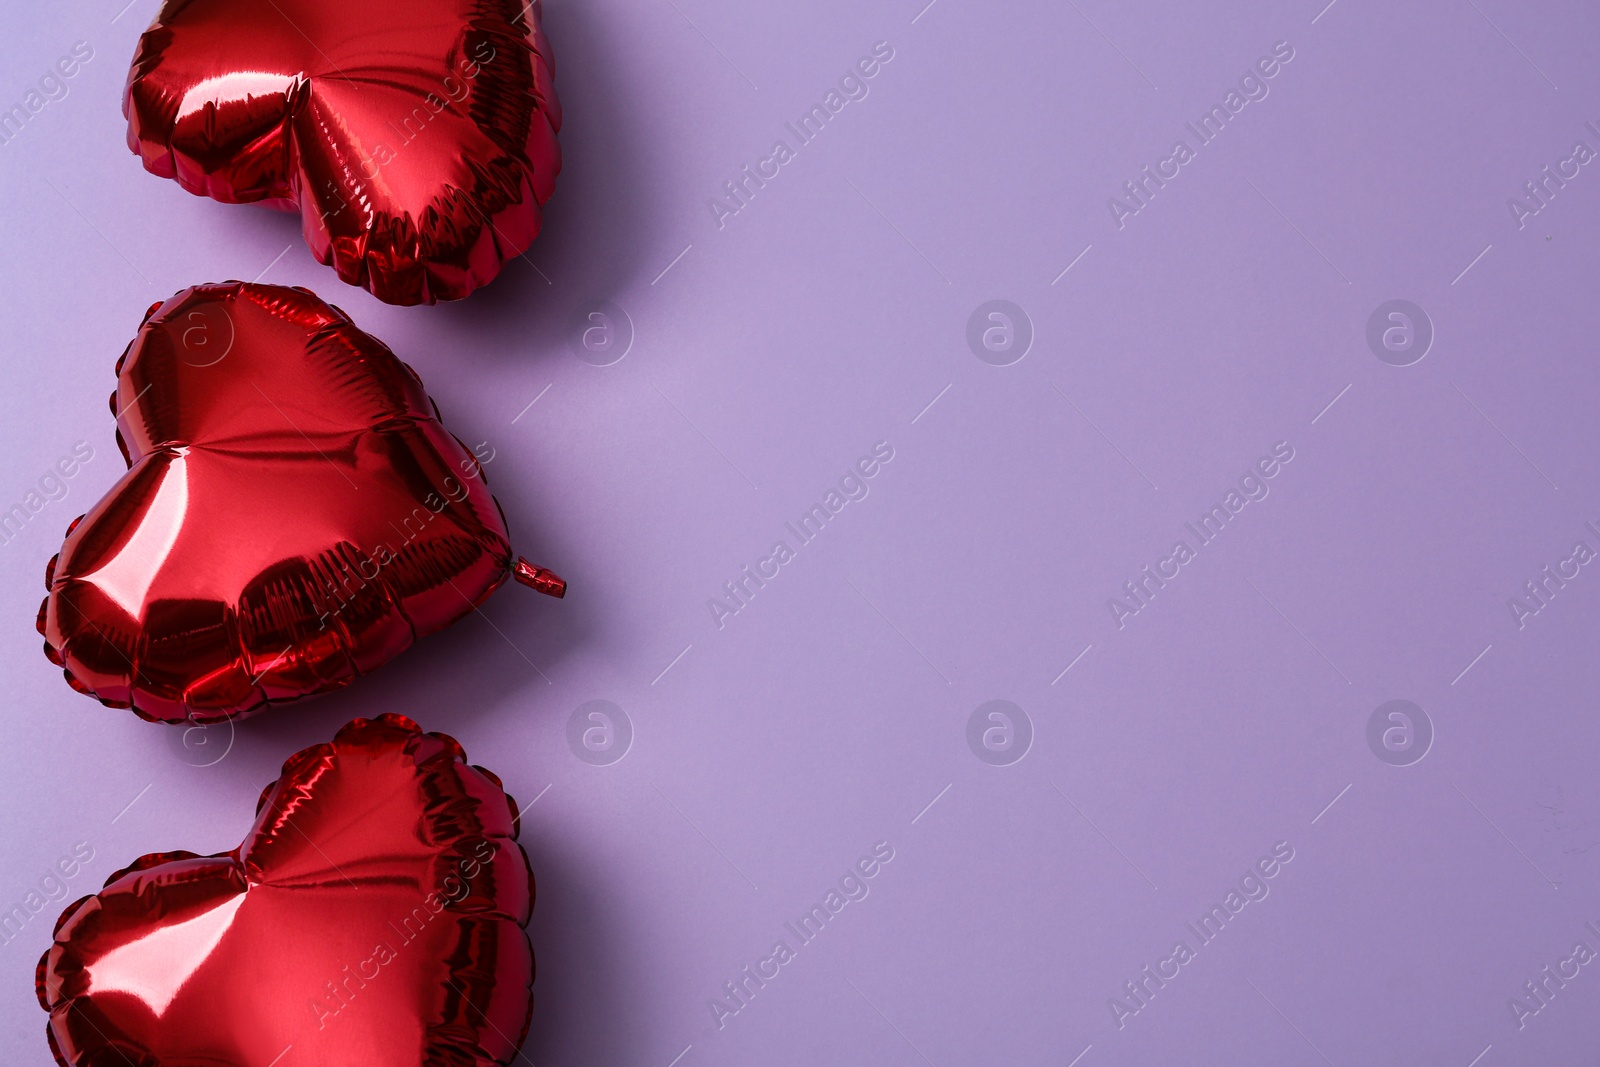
point(828, 714)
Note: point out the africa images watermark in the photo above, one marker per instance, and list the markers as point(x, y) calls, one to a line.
point(741, 189)
point(52, 886)
point(51, 487)
point(1253, 486)
point(1252, 87)
point(1539, 191)
point(1252, 887)
point(1538, 992)
point(453, 89)
point(339, 993)
point(52, 87)
point(1538, 592)
point(852, 485)
point(358, 571)
point(852, 886)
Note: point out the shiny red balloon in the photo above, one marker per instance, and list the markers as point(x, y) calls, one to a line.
point(293, 515)
point(417, 138)
point(375, 914)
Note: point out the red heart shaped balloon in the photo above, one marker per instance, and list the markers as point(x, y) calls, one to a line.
point(293, 515)
point(374, 914)
point(417, 138)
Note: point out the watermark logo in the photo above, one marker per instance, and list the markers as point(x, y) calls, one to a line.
point(999, 733)
point(999, 333)
point(201, 744)
point(1399, 333)
point(206, 335)
point(1400, 733)
point(600, 334)
point(599, 733)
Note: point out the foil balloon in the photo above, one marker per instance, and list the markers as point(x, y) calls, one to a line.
point(417, 138)
point(375, 914)
point(293, 515)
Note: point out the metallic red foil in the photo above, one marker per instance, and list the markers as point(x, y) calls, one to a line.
point(294, 514)
point(375, 914)
point(417, 138)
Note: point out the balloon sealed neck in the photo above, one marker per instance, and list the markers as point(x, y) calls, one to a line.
point(538, 578)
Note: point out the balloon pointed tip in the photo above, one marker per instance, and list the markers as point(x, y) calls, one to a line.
point(540, 579)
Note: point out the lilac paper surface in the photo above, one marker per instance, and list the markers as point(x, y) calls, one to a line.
point(1149, 356)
